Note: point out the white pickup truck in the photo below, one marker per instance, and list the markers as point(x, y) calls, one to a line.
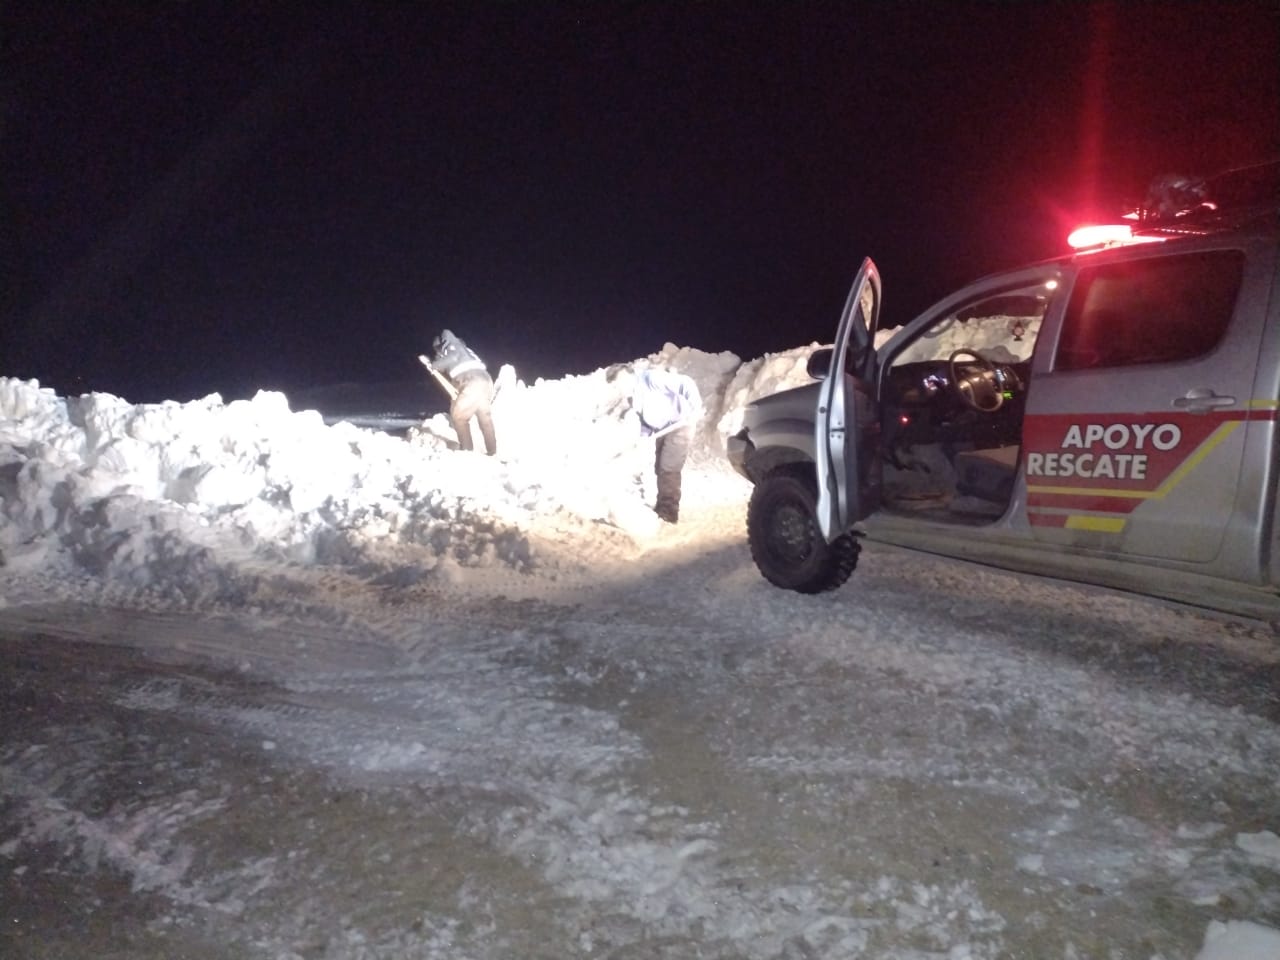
point(1108, 416)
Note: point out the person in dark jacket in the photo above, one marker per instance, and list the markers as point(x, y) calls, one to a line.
point(668, 406)
point(468, 376)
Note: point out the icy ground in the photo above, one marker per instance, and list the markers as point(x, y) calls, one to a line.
point(277, 689)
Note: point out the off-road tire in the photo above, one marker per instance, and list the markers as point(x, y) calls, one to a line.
point(786, 544)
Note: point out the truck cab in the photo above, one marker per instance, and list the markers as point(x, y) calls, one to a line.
point(1107, 416)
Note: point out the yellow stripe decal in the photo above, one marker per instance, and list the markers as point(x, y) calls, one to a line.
point(1189, 464)
point(1094, 491)
point(1096, 524)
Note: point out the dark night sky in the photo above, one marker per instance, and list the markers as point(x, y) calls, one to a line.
point(201, 197)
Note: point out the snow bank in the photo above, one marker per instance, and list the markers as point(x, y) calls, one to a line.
point(156, 493)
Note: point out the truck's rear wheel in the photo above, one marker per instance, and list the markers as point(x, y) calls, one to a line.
point(786, 544)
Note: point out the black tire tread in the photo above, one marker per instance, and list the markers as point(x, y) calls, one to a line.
point(833, 562)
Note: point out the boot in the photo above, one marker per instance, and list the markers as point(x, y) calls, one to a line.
point(667, 505)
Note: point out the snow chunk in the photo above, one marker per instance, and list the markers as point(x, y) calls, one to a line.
point(1240, 940)
point(1264, 846)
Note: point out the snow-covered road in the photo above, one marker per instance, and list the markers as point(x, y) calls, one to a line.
point(670, 759)
point(276, 689)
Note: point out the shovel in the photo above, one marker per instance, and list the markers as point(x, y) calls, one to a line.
point(441, 379)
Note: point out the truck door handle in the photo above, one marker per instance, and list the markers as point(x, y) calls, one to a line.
point(1201, 400)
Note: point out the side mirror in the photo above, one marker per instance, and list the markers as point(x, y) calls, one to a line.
point(819, 364)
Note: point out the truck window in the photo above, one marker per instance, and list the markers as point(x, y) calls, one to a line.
point(1160, 310)
point(1003, 328)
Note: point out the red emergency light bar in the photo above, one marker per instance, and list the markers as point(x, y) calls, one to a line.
point(1099, 236)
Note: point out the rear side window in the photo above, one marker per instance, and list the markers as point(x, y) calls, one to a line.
point(1162, 310)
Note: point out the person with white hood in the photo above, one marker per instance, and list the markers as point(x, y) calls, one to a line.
point(668, 406)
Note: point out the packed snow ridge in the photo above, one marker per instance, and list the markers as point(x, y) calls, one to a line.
point(165, 495)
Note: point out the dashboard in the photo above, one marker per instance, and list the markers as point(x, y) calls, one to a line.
point(923, 403)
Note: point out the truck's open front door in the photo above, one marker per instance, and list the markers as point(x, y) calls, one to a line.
point(844, 497)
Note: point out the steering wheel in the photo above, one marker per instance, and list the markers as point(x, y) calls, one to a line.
point(980, 388)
